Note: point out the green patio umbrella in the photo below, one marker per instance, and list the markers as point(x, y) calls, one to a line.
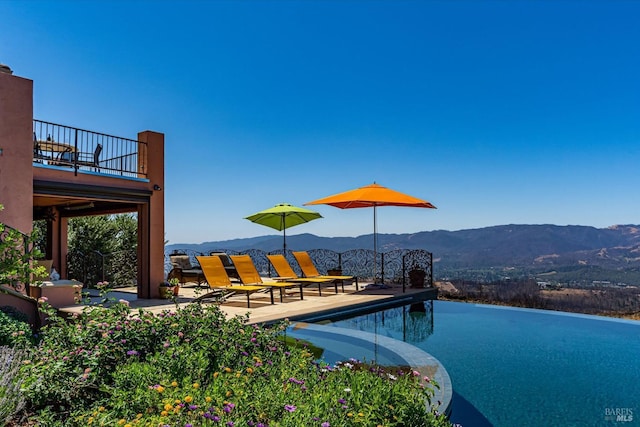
point(283, 216)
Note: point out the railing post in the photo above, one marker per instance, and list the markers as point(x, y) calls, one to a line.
point(431, 268)
point(74, 156)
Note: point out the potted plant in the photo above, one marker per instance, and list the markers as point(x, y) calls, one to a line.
point(169, 288)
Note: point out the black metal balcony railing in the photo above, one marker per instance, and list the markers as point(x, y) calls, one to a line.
point(79, 149)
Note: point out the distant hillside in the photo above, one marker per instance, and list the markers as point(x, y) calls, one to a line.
point(529, 248)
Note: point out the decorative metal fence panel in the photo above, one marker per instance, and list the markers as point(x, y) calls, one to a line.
point(324, 260)
point(392, 266)
point(395, 266)
point(358, 262)
point(120, 269)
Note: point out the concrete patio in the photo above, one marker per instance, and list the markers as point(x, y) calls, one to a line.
point(262, 311)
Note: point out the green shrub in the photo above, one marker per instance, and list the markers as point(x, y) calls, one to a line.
point(14, 329)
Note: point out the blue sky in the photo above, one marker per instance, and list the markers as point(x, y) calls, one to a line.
point(497, 112)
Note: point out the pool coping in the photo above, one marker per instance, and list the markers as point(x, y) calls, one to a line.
point(414, 357)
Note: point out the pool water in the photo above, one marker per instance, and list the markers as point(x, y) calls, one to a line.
point(523, 367)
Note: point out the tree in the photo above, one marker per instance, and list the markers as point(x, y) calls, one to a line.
point(104, 248)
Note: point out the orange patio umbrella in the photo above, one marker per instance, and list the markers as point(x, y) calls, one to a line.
point(372, 195)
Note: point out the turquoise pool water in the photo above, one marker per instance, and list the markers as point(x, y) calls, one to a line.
point(519, 367)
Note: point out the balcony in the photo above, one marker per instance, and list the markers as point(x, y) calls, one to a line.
point(79, 150)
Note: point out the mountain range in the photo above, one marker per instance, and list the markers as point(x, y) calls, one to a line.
point(528, 249)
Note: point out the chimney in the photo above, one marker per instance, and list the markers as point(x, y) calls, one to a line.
point(5, 69)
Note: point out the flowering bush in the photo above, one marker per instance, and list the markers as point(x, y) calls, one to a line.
point(193, 367)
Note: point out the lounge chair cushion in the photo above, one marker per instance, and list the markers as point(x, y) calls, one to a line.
point(181, 261)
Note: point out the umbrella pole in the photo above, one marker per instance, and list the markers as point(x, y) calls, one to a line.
point(375, 246)
point(284, 236)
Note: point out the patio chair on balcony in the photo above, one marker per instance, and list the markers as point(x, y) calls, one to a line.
point(38, 156)
point(286, 273)
point(309, 270)
point(90, 159)
point(221, 285)
point(248, 274)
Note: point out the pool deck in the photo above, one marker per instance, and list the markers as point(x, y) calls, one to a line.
point(262, 311)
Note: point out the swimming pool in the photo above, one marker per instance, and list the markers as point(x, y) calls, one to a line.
point(523, 367)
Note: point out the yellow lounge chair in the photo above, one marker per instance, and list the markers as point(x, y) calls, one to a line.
point(309, 270)
point(286, 273)
point(218, 280)
point(249, 275)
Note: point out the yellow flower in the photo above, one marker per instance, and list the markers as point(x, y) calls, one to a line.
point(174, 384)
point(138, 416)
point(207, 399)
point(227, 369)
point(101, 409)
point(238, 375)
point(90, 420)
point(215, 374)
point(177, 401)
point(360, 414)
point(128, 425)
point(188, 399)
point(228, 394)
point(168, 407)
point(121, 422)
point(164, 413)
point(160, 389)
point(350, 414)
point(250, 370)
point(196, 385)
